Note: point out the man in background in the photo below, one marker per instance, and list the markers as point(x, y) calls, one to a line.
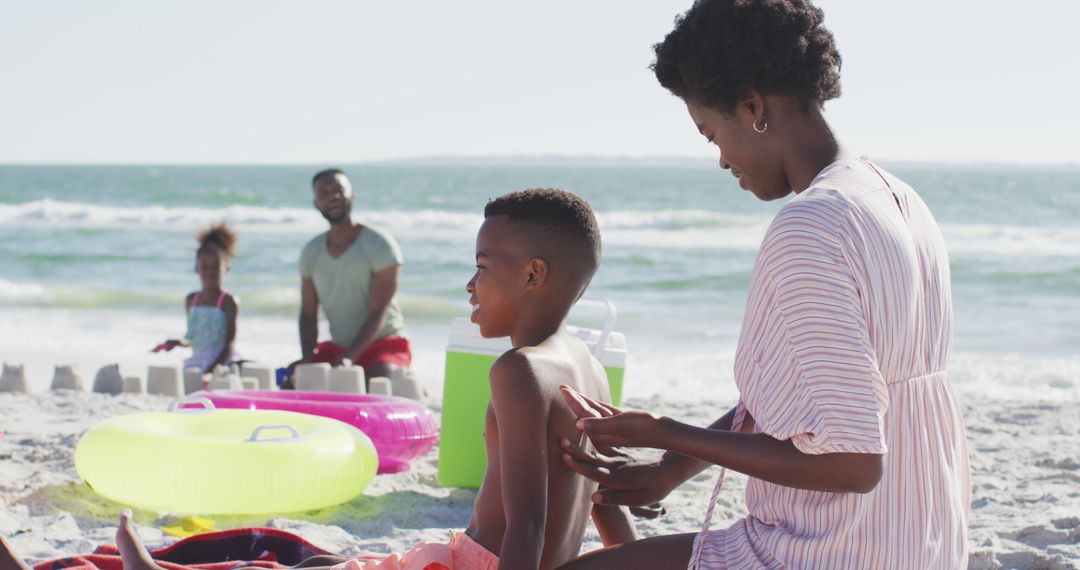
point(351, 271)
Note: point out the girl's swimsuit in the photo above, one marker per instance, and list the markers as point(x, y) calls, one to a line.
point(207, 330)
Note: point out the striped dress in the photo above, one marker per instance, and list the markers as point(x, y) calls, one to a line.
point(844, 344)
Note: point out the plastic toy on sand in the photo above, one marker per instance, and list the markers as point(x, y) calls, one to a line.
point(401, 429)
point(211, 461)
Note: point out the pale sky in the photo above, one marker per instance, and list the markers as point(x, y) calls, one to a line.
point(258, 81)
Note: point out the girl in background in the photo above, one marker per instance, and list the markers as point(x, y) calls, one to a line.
point(211, 312)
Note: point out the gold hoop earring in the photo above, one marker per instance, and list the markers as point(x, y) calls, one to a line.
point(762, 129)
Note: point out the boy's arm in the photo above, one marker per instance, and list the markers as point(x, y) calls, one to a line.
point(521, 413)
point(614, 524)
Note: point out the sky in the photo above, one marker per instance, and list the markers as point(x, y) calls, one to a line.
point(266, 82)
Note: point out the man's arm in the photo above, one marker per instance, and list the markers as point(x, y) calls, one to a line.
point(309, 318)
point(384, 284)
point(521, 412)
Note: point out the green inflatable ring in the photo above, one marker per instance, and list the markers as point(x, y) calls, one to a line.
point(210, 461)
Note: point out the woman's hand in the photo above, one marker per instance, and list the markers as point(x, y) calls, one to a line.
point(623, 480)
point(609, 427)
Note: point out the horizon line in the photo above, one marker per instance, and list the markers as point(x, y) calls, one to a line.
point(523, 160)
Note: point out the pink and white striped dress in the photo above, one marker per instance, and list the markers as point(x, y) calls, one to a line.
point(844, 344)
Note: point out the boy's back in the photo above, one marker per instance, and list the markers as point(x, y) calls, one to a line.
point(526, 482)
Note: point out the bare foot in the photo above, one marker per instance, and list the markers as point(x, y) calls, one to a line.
point(8, 560)
point(131, 547)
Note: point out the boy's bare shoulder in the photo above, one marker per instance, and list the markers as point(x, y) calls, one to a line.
point(519, 397)
point(527, 376)
point(518, 366)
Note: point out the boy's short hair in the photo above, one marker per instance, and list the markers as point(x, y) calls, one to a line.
point(568, 216)
point(328, 172)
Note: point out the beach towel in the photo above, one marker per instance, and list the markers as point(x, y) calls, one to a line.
point(461, 553)
point(224, 550)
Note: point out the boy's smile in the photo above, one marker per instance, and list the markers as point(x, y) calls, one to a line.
point(495, 287)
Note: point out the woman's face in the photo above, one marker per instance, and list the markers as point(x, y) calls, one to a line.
point(749, 155)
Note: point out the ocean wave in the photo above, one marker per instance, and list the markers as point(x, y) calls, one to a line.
point(1017, 376)
point(674, 228)
point(80, 215)
point(1011, 240)
point(52, 211)
point(664, 228)
point(20, 293)
point(71, 297)
point(273, 302)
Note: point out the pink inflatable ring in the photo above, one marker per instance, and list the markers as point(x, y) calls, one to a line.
point(401, 429)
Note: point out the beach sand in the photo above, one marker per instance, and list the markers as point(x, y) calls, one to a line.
point(1025, 504)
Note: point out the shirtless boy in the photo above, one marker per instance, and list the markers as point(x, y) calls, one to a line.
point(536, 252)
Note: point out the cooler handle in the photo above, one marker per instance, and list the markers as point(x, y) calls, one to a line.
point(609, 321)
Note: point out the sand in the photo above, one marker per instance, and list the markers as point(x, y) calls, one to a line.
point(1025, 505)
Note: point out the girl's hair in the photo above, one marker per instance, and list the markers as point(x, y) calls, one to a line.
point(217, 237)
point(721, 48)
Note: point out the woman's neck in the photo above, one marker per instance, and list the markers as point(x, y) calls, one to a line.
point(811, 147)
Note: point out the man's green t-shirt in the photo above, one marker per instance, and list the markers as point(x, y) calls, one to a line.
point(344, 283)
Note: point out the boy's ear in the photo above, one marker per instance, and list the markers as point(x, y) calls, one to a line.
point(536, 272)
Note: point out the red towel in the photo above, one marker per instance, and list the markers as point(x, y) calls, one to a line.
point(224, 550)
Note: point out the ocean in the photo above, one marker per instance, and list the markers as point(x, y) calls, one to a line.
point(95, 262)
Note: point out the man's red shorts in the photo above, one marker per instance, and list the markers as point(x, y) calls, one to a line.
point(390, 350)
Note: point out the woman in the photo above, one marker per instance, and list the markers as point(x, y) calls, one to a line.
point(846, 422)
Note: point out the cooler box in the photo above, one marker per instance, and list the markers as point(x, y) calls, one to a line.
point(466, 392)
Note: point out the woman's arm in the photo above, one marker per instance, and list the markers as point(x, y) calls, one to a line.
point(684, 467)
point(625, 480)
point(757, 455)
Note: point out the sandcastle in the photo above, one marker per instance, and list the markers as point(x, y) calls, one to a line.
point(108, 380)
point(13, 379)
point(66, 378)
point(172, 381)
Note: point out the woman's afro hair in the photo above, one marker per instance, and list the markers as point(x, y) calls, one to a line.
point(719, 49)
